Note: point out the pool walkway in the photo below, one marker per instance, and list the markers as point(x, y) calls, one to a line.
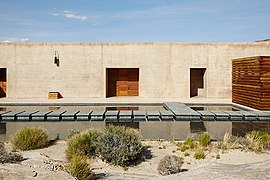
point(174, 111)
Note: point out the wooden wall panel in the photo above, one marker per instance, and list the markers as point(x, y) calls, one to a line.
point(251, 82)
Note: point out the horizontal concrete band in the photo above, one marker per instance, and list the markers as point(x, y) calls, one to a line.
point(133, 115)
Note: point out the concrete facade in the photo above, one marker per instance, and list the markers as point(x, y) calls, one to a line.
point(163, 67)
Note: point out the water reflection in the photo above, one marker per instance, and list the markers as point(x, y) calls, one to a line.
point(149, 130)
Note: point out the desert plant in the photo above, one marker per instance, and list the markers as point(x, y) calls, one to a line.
point(204, 139)
point(183, 148)
point(257, 140)
point(79, 168)
point(199, 155)
point(84, 143)
point(190, 143)
point(72, 132)
point(120, 145)
point(170, 165)
point(29, 138)
point(6, 157)
point(186, 154)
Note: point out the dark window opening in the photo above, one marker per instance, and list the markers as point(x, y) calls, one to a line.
point(197, 81)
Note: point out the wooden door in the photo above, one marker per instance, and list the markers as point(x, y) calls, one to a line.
point(122, 82)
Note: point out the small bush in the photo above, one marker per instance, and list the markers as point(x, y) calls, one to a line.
point(79, 168)
point(186, 154)
point(29, 138)
point(199, 155)
point(170, 165)
point(120, 145)
point(204, 139)
point(190, 143)
point(6, 157)
point(183, 148)
point(83, 144)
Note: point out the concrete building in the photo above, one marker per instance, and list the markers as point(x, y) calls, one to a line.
point(101, 70)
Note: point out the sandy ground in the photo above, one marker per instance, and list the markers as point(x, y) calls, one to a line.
point(48, 163)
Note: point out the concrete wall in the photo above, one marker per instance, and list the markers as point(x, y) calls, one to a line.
point(164, 67)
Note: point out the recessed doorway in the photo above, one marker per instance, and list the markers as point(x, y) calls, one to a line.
point(122, 82)
point(3, 82)
point(197, 81)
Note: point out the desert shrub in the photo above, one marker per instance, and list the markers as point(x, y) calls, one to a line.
point(183, 148)
point(257, 140)
point(170, 165)
point(6, 157)
point(72, 132)
point(29, 138)
point(120, 145)
point(190, 143)
point(199, 155)
point(186, 154)
point(204, 139)
point(83, 144)
point(79, 168)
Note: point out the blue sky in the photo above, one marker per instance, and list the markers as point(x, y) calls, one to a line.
point(134, 20)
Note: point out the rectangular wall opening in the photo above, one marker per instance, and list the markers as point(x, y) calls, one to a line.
point(122, 82)
point(197, 82)
point(3, 82)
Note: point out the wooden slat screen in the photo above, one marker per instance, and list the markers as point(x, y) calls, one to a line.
point(251, 82)
point(122, 82)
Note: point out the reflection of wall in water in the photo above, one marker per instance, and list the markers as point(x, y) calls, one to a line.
point(241, 128)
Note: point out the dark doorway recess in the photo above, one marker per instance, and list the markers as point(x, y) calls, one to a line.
point(196, 80)
point(3, 82)
point(122, 82)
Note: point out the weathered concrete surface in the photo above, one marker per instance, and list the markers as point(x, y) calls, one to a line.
point(164, 67)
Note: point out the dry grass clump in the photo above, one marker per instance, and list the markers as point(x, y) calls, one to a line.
point(256, 141)
point(29, 138)
point(6, 157)
point(83, 144)
point(79, 168)
point(170, 165)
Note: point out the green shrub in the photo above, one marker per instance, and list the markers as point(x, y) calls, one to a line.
point(79, 168)
point(170, 165)
point(6, 157)
point(199, 155)
point(204, 139)
point(183, 148)
point(83, 144)
point(119, 145)
point(186, 154)
point(190, 143)
point(29, 138)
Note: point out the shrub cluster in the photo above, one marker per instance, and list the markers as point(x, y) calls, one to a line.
point(6, 157)
point(170, 165)
point(119, 145)
point(29, 138)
